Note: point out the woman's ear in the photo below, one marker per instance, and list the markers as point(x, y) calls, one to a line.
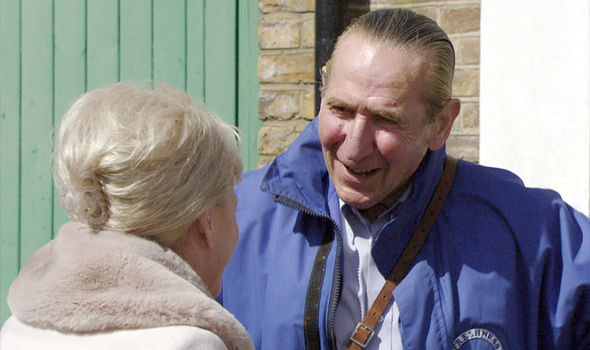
point(444, 123)
point(201, 229)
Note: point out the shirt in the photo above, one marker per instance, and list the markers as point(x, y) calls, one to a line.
point(362, 281)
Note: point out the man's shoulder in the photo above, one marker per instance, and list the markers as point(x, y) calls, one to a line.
point(500, 193)
point(481, 175)
point(494, 204)
point(497, 183)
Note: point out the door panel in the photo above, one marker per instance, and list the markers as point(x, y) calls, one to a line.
point(54, 51)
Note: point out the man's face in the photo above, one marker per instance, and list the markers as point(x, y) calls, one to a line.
point(373, 123)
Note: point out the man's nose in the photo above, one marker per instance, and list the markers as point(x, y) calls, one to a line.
point(360, 139)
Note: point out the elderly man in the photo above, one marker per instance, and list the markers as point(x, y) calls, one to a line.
point(350, 240)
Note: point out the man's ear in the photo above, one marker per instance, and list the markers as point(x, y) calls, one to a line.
point(323, 74)
point(443, 124)
point(201, 229)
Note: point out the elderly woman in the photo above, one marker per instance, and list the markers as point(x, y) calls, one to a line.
point(147, 178)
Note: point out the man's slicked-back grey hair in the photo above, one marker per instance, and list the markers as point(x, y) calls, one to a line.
point(403, 28)
point(141, 160)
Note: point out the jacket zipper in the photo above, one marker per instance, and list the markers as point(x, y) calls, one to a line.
point(336, 285)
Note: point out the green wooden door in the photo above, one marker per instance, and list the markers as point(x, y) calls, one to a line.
point(51, 51)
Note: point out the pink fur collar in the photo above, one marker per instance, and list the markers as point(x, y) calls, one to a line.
point(84, 282)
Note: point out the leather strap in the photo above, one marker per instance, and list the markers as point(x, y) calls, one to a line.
point(364, 331)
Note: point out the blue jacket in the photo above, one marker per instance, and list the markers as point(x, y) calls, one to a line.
point(502, 264)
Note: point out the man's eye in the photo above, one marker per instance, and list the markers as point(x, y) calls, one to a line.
point(342, 111)
point(383, 119)
point(380, 118)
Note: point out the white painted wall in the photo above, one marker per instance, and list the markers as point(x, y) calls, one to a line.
point(535, 93)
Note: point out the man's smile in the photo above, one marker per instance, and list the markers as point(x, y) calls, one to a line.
point(359, 173)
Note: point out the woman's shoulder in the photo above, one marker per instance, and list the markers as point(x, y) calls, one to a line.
point(17, 335)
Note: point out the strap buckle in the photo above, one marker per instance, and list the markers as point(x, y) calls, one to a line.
point(365, 332)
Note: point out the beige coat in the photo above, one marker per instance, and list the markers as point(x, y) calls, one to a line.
point(112, 290)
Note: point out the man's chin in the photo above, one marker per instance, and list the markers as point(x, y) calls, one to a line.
point(357, 201)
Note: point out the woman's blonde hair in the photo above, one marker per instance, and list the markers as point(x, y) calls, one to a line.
point(143, 161)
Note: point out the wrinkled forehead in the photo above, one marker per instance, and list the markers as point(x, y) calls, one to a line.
point(383, 66)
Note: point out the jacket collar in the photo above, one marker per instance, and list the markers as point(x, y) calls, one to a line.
point(299, 174)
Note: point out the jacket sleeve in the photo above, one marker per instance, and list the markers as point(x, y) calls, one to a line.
point(567, 280)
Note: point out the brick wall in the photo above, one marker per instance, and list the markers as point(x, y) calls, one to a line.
point(286, 68)
point(286, 73)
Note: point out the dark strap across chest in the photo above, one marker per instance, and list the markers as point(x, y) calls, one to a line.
point(364, 330)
